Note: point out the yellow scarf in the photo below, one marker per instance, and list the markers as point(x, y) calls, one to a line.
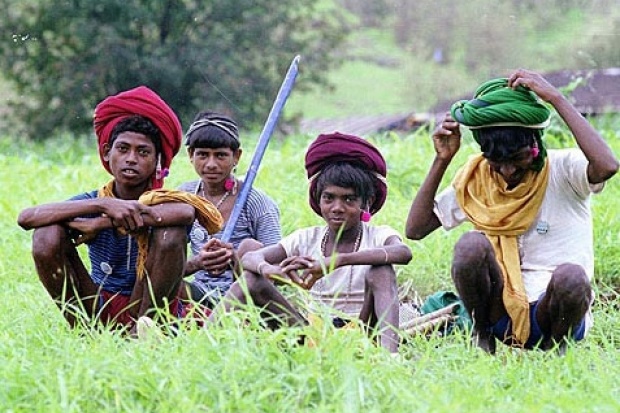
point(207, 215)
point(502, 215)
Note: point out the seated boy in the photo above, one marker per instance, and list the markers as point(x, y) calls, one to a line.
point(347, 264)
point(137, 251)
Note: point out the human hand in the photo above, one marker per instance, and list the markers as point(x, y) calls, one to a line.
point(298, 269)
point(536, 83)
point(447, 138)
point(87, 228)
point(127, 214)
point(215, 257)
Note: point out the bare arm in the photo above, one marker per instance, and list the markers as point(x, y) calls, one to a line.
point(421, 220)
point(602, 164)
point(394, 251)
point(268, 258)
point(128, 214)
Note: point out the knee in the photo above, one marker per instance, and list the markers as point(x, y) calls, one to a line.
point(247, 245)
point(570, 285)
point(47, 243)
point(381, 276)
point(256, 284)
point(169, 239)
point(472, 250)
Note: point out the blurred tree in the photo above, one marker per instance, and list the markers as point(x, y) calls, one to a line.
point(64, 56)
point(602, 50)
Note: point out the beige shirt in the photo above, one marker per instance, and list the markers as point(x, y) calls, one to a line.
point(342, 289)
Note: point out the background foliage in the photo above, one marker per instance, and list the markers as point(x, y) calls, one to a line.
point(359, 57)
point(229, 55)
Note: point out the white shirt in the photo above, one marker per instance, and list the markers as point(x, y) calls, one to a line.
point(562, 230)
point(342, 289)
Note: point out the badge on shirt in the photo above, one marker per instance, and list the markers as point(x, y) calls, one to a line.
point(199, 234)
point(106, 268)
point(542, 227)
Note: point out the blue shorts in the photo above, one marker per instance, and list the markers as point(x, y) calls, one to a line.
point(503, 328)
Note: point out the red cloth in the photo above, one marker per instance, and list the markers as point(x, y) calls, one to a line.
point(335, 147)
point(144, 102)
point(114, 308)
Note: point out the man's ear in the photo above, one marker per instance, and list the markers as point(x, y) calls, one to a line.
point(190, 152)
point(106, 152)
point(237, 155)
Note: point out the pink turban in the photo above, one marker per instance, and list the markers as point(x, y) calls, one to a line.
point(338, 147)
point(144, 102)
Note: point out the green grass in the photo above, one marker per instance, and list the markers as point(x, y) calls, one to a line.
point(46, 367)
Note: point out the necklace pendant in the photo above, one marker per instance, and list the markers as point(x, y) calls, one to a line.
point(198, 234)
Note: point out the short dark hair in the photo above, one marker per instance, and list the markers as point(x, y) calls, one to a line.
point(347, 175)
point(138, 124)
point(500, 142)
point(212, 136)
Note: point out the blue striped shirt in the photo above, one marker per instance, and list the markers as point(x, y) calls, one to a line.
point(259, 219)
point(112, 256)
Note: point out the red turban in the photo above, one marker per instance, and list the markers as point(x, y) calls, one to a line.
point(144, 102)
point(338, 147)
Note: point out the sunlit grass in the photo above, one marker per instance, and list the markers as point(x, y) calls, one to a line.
point(240, 366)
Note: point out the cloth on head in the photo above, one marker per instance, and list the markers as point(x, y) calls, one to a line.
point(144, 102)
point(497, 104)
point(339, 147)
point(503, 214)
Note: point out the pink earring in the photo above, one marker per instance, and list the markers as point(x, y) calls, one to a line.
point(535, 151)
point(365, 216)
point(229, 184)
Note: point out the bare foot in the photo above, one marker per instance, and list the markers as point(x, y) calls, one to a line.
point(484, 341)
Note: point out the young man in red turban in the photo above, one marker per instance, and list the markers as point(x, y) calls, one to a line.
point(136, 234)
point(347, 265)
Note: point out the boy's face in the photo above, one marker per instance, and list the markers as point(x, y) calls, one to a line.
point(340, 206)
point(214, 165)
point(132, 158)
point(514, 167)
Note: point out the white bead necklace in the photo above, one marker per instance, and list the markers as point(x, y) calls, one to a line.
point(220, 202)
point(356, 247)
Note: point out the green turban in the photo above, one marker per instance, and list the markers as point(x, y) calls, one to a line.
point(496, 104)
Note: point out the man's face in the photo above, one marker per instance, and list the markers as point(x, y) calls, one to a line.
point(214, 165)
point(340, 207)
point(513, 167)
point(132, 158)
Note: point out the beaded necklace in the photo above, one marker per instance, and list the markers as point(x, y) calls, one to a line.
point(356, 247)
point(220, 202)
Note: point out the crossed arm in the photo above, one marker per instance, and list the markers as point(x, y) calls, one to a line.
point(129, 215)
point(304, 271)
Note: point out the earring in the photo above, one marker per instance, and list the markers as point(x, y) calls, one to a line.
point(365, 216)
point(535, 151)
point(159, 172)
point(231, 183)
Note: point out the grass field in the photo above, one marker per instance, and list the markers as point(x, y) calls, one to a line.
point(48, 368)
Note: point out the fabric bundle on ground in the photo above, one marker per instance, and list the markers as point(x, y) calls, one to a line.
point(144, 102)
point(339, 147)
